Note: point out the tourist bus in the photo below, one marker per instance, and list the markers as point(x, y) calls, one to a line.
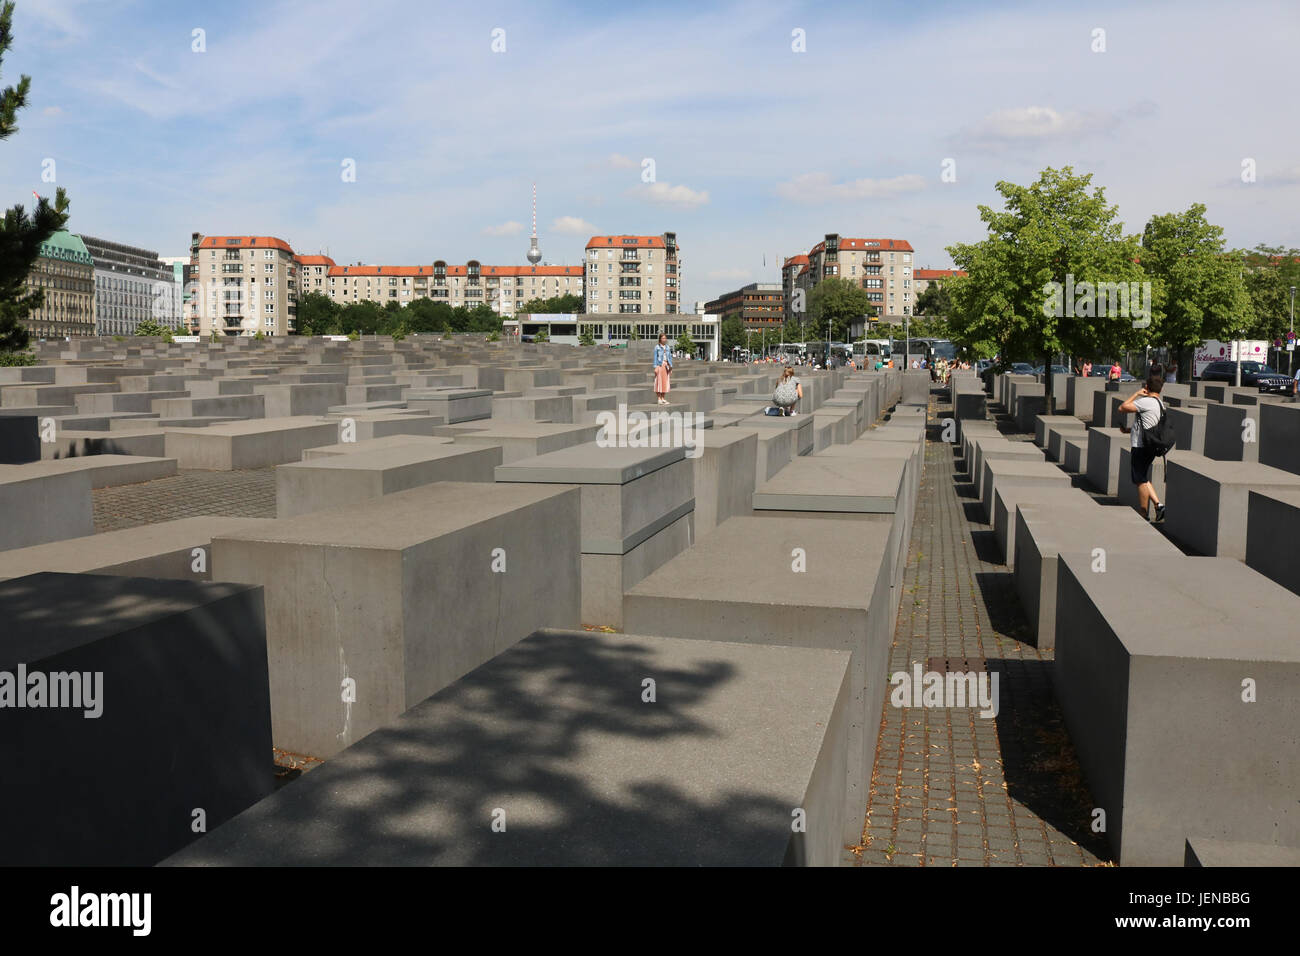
point(869, 350)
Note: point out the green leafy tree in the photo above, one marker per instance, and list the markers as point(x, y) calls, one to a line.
point(426, 316)
point(150, 327)
point(732, 335)
point(365, 318)
point(1200, 286)
point(685, 343)
point(1054, 231)
point(586, 336)
point(560, 304)
point(21, 235)
point(934, 302)
point(542, 336)
point(840, 301)
point(317, 315)
point(494, 337)
point(1269, 272)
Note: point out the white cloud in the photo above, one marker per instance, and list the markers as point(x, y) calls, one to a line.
point(666, 194)
point(619, 161)
point(1033, 125)
point(510, 228)
point(819, 187)
point(52, 111)
point(572, 225)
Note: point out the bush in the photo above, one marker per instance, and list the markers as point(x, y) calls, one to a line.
point(16, 359)
point(494, 337)
point(354, 336)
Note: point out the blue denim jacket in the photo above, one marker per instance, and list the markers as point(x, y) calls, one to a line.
point(663, 355)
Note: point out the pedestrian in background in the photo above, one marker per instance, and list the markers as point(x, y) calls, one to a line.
point(663, 368)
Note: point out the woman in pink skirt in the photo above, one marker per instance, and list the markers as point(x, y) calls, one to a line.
point(663, 367)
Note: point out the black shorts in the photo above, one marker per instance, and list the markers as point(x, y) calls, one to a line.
point(1140, 461)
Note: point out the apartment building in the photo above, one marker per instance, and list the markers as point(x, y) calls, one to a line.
point(314, 274)
point(758, 305)
point(246, 285)
point(506, 289)
point(883, 267)
point(65, 271)
point(922, 278)
point(633, 275)
point(132, 284)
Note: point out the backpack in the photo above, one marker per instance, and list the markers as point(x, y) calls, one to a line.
point(786, 393)
point(1159, 437)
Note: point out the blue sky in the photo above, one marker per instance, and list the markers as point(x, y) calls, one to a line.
point(758, 150)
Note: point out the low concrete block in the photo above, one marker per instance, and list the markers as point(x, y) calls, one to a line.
point(519, 440)
point(1074, 453)
point(1205, 851)
point(999, 471)
point(552, 729)
point(1010, 493)
point(374, 444)
point(1232, 432)
point(737, 586)
point(20, 439)
point(250, 444)
point(1156, 715)
point(334, 481)
point(179, 717)
point(1279, 437)
point(1189, 428)
point(401, 594)
point(43, 506)
point(177, 550)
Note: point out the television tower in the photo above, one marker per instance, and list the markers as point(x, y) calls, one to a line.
point(534, 253)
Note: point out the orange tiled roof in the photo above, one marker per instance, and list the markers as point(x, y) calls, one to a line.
point(875, 245)
point(796, 261)
point(315, 260)
point(647, 242)
point(244, 242)
point(456, 270)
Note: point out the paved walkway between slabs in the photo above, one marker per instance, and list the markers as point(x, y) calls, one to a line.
point(951, 788)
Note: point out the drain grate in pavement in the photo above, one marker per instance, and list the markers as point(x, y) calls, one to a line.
point(945, 665)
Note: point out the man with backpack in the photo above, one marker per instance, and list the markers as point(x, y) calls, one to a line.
point(1152, 437)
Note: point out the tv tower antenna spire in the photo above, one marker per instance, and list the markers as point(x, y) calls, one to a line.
point(534, 253)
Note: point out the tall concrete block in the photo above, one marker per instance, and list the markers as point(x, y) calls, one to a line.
point(637, 513)
point(1208, 501)
point(1189, 428)
point(1272, 533)
point(1279, 437)
point(1104, 446)
point(1156, 713)
point(400, 596)
point(1232, 432)
point(20, 439)
point(177, 670)
point(724, 477)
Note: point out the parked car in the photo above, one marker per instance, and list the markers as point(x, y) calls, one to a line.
point(1253, 375)
point(1103, 371)
point(1021, 368)
point(1056, 370)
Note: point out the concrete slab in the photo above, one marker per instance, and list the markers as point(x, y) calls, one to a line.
point(1189, 428)
point(249, 444)
point(724, 477)
point(1279, 437)
point(105, 471)
point(1156, 714)
point(177, 550)
point(399, 595)
point(334, 481)
point(1205, 851)
point(41, 507)
point(741, 584)
point(1011, 493)
point(824, 483)
point(1272, 532)
point(1074, 454)
point(1044, 529)
point(583, 771)
point(524, 439)
point(1227, 428)
point(1104, 445)
point(1208, 501)
point(178, 671)
point(374, 444)
point(997, 471)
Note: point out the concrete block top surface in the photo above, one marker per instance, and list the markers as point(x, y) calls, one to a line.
point(1233, 472)
point(59, 466)
point(381, 458)
point(402, 519)
point(836, 477)
point(747, 560)
point(587, 774)
point(1057, 527)
point(1210, 608)
point(1288, 496)
point(590, 464)
point(49, 613)
point(77, 555)
point(488, 429)
point(257, 426)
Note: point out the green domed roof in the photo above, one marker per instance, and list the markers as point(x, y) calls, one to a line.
point(64, 245)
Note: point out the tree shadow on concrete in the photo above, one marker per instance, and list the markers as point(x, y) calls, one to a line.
point(541, 734)
point(1039, 762)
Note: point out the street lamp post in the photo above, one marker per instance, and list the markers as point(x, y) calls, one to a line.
point(1291, 338)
